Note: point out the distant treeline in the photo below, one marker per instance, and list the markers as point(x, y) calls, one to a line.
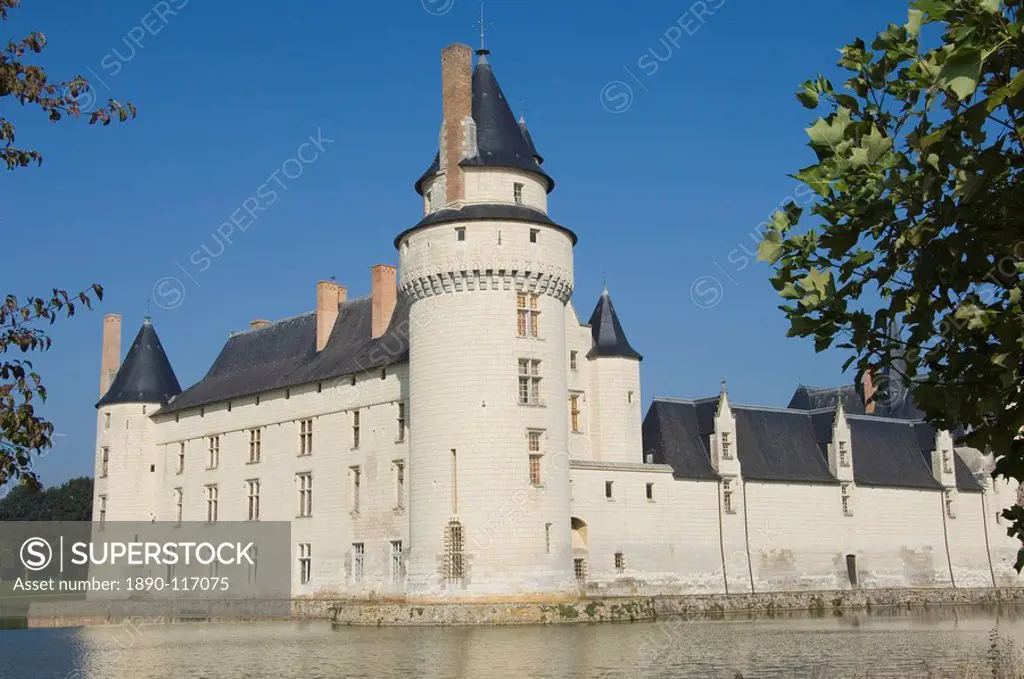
point(69, 502)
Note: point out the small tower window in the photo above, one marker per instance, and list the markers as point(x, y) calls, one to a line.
point(574, 360)
point(517, 192)
point(845, 494)
point(650, 491)
point(427, 202)
point(727, 497)
point(460, 233)
point(620, 562)
point(608, 485)
point(534, 235)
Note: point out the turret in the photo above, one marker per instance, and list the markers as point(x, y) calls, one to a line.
point(487, 276)
point(615, 390)
point(127, 465)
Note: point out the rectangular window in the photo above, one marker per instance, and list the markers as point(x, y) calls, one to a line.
point(527, 315)
point(727, 497)
point(620, 562)
point(517, 192)
point(950, 510)
point(181, 457)
point(529, 382)
point(460, 233)
point(608, 486)
point(535, 477)
point(401, 422)
point(574, 360)
point(306, 437)
point(400, 484)
point(305, 563)
point(358, 557)
point(726, 451)
point(426, 200)
point(179, 501)
point(579, 567)
point(574, 413)
point(305, 484)
point(104, 461)
point(547, 538)
point(211, 503)
point(650, 491)
point(355, 428)
point(255, 445)
point(534, 235)
point(397, 561)
point(947, 463)
point(213, 448)
point(845, 495)
point(844, 455)
point(253, 488)
point(106, 421)
point(103, 509)
point(356, 474)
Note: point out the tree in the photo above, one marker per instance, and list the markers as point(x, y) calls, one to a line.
point(30, 86)
point(919, 219)
point(71, 501)
point(23, 432)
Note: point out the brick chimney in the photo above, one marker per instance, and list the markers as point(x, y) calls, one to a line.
point(457, 97)
point(868, 389)
point(110, 357)
point(385, 294)
point(258, 323)
point(328, 296)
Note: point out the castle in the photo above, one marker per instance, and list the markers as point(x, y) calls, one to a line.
point(461, 433)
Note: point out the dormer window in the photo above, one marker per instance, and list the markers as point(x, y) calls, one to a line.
point(947, 463)
point(517, 192)
point(726, 452)
point(844, 455)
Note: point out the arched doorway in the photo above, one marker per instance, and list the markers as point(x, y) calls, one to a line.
point(579, 549)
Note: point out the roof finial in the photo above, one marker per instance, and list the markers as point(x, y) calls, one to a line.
point(483, 51)
point(147, 319)
point(604, 275)
point(724, 389)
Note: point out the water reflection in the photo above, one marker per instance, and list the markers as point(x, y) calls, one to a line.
point(880, 643)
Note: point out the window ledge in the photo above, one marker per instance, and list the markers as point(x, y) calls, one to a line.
point(253, 461)
point(303, 516)
point(399, 442)
point(354, 515)
point(210, 469)
point(354, 448)
point(396, 510)
point(533, 405)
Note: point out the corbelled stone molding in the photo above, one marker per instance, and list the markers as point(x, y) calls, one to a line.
point(454, 277)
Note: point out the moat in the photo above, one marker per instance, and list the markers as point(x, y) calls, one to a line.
point(882, 643)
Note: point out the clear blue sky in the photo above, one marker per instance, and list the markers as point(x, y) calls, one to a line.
point(661, 194)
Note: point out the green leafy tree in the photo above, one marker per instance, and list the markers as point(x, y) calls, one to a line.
point(919, 217)
point(71, 501)
point(23, 433)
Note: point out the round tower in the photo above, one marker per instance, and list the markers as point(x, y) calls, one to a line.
point(128, 466)
point(487, 275)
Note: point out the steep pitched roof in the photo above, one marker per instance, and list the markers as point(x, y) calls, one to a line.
point(813, 398)
point(146, 375)
point(888, 453)
point(501, 140)
point(779, 445)
point(529, 140)
point(284, 354)
point(605, 328)
point(672, 435)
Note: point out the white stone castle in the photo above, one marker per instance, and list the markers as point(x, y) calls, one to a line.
point(460, 433)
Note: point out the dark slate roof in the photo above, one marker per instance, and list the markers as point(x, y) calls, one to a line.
point(779, 445)
point(284, 354)
point(965, 480)
point(529, 140)
point(609, 337)
point(673, 436)
point(146, 375)
point(814, 398)
point(888, 453)
point(500, 139)
point(510, 212)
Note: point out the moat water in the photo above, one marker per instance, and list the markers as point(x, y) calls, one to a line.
point(879, 644)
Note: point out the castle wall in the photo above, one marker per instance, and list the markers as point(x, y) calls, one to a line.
point(798, 536)
point(582, 443)
point(968, 553)
point(1003, 548)
point(129, 486)
point(333, 527)
point(898, 537)
point(615, 403)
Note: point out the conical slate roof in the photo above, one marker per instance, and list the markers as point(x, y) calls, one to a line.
point(146, 375)
point(501, 141)
point(609, 338)
point(529, 140)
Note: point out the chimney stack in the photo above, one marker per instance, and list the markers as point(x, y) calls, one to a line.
point(385, 294)
point(457, 97)
point(110, 357)
point(868, 389)
point(328, 296)
point(258, 323)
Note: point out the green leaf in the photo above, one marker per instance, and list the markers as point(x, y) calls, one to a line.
point(991, 5)
point(768, 251)
point(961, 73)
point(827, 133)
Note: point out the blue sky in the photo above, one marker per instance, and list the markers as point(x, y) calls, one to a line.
point(665, 167)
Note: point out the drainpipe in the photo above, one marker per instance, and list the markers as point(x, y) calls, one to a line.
point(984, 523)
point(721, 539)
point(945, 537)
point(746, 540)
